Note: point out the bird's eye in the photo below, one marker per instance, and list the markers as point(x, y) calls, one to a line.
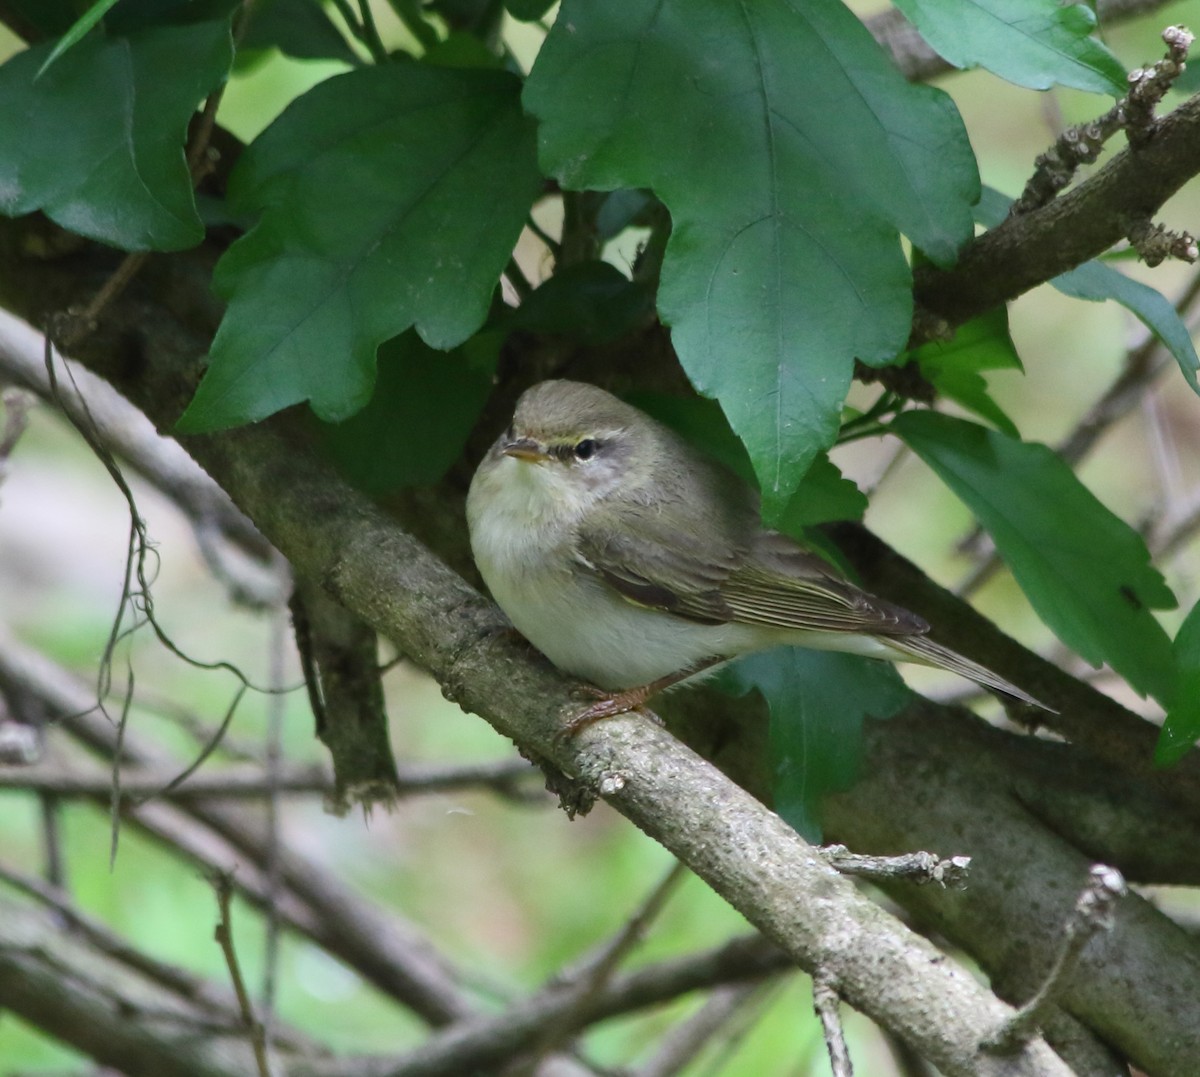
point(586, 449)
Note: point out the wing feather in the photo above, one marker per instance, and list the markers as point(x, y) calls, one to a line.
point(714, 575)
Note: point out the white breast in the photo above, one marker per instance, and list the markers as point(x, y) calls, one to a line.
point(522, 535)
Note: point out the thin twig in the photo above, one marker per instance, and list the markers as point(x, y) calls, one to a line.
point(825, 1003)
point(223, 933)
point(274, 875)
point(1134, 114)
point(590, 976)
point(682, 1043)
point(1095, 911)
point(369, 33)
point(517, 279)
point(141, 785)
point(56, 866)
point(920, 867)
point(249, 781)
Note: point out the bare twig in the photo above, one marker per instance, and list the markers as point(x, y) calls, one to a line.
point(1134, 114)
point(825, 1003)
point(55, 858)
point(240, 781)
point(920, 867)
point(1094, 912)
point(161, 461)
point(223, 933)
point(590, 976)
point(682, 1043)
point(486, 1043)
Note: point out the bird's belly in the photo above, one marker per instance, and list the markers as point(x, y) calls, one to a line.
point(587, 629)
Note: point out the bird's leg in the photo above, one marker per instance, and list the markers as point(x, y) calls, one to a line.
point(610, 704)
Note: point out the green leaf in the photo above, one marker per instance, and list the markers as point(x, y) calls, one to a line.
point(784, 262)
point(955, 368)
point(1181, 728)
point(1085, 571)
point(76, 33)
point(1034, 43)
point(391, 197)
point(424, 406)
point(528, 10)
point(824, 495)
point(818, 702)
point(592, 302)
point(97, 143)
point(51, 17)
point(1097, 282)
point(299, 28)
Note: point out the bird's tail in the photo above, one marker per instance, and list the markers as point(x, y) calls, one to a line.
point(923, 650)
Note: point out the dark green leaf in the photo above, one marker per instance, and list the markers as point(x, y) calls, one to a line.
point(424, 405)
point(1098, 282)
point(1085, 571)
point(528, 10)
point(298, 28)
point(700, 421)
point(818, 702)
point(1034, 43)
point(620, 210)
point(77, 32)
point(825, 494)
point(955, 368)
point(52, 17)
point(592, 302)
point(391, 197)
point(461, 49)
point(1181, 729)
point(784, 262)
point(97, 143)
point(131, 15)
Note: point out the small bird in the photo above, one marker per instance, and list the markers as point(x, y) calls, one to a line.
point(634, 561)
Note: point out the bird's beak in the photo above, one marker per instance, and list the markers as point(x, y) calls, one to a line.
point(526, 449)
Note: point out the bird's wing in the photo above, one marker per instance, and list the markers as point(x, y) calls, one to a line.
point(655, 566)
point(781, 584)
point(766, 579)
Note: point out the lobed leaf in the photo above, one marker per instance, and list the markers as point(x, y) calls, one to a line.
point(784, 262)
point(1085, 571)
point(818, 702)
point(1034, 43)
point(391, 197)
point(414, 427)
point(299, 28)
point(97, 141)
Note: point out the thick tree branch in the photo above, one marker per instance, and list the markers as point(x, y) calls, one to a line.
point(1137, 983)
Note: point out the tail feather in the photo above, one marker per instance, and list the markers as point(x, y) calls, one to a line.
point(923, 650)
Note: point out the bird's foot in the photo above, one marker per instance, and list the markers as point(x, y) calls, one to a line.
point(609, 705)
